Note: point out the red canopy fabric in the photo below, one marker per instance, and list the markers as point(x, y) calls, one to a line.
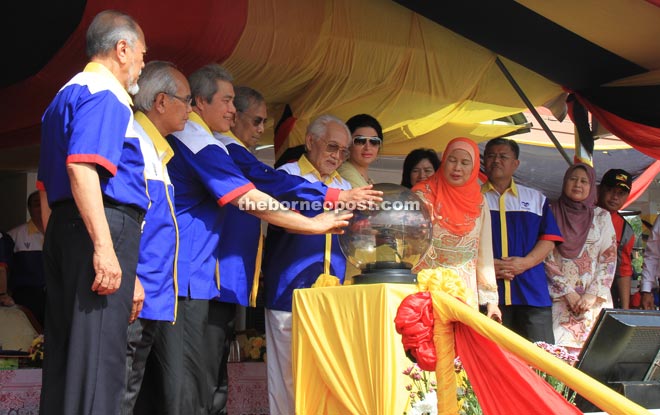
point(425, 82)
point(637, 135)
point(192, 40)
point(642, 137)
point(641, 183)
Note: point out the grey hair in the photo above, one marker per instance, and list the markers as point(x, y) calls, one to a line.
point(245, 97)
point(156, 77)
point(319, 127)
point(203, 82)
point(108, 28)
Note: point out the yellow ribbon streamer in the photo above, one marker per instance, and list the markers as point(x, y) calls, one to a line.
point(257, 269)
point(446, 287)
point(448, 281)
point(326, 279)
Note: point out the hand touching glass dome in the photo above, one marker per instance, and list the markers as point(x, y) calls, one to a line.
point(395, 234)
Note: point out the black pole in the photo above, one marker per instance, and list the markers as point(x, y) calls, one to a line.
point(529, 105)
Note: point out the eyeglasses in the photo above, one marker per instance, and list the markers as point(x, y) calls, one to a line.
point(360, 140)
point(333, 148)
point(256, 121)
point(187, 100)
point(494, 156)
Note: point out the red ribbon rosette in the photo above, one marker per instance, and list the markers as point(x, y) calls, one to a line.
point(414, 321)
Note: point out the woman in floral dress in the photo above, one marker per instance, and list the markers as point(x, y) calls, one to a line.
point(461, 223)
point(580, 271)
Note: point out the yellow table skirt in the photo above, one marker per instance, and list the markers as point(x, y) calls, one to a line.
point(347, 355)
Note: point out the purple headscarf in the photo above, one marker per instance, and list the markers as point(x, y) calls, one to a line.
point(575, 218)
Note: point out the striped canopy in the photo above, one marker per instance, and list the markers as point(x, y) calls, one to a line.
point(426, 69)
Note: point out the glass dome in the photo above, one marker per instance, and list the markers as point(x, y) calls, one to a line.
point(395, 234)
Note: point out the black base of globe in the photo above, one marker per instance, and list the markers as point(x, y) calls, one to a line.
point(386, 272)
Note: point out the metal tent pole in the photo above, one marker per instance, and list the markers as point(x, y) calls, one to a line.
point(529, 105)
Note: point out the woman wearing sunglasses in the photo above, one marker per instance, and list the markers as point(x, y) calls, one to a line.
point(366, 141)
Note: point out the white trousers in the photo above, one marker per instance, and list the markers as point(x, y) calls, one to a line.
point(280, 368)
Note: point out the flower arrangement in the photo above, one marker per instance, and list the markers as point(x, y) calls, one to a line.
point(422, 397)
point(253, 348)
point(467, 400)
point(36, 350)
point(563, 354)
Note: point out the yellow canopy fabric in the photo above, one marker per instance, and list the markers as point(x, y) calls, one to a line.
point(638, 21)
point(375, 56)
point(346, 57)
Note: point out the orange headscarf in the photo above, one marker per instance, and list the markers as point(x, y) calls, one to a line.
point(455, 208)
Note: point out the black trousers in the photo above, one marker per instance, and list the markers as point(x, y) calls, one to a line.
point(207, 328)
point(160, 392)
point(141, 336)
point(219, 333)
point(85, 333)
point(186, 371)
point(533, 323)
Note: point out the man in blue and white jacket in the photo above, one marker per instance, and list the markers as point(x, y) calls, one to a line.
point(162, 107)
point(295, 261)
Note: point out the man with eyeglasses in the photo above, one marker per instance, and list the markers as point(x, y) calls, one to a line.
point(250, 119)
point(524, 232)
point(296, 261)
point(206, 179)
point(162, 107)
point(239, 256)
